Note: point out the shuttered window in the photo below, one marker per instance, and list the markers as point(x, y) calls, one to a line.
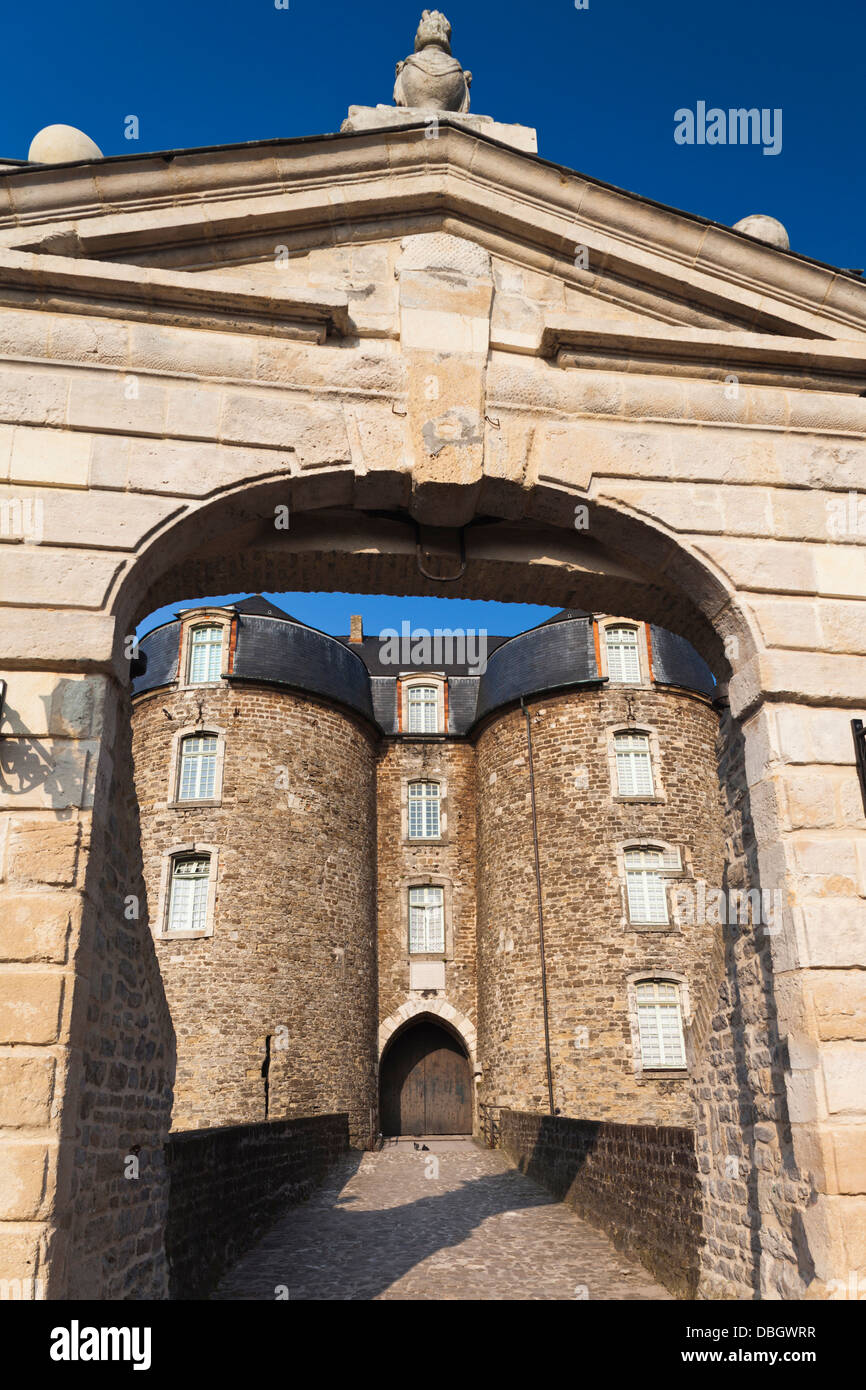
point(190, 878)
point(426, 921)
point(205, 657)
point(623, 658)
point(198, 760)
point(423, 709)
point(660, 1024)
point(424, 810)
point(647, 900)
point(634, 773)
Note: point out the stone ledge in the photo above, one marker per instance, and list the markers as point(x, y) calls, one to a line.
point(519, 137)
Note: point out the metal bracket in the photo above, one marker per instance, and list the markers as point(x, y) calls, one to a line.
point(441, 578)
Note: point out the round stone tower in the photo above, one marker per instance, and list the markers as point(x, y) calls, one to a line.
point(257, 805)
point(622, 819)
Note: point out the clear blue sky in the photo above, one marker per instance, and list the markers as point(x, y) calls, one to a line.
point(601, 85)
point(331, 613)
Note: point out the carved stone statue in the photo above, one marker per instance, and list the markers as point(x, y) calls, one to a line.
point(430, 79)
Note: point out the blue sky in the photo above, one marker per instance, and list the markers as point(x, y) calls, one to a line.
point(331, 613)
point(601, 84)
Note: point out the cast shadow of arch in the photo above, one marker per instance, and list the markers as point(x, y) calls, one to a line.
point(327, 1250)
point(748, 963)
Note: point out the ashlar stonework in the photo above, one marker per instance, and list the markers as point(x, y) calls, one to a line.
point(189, 343)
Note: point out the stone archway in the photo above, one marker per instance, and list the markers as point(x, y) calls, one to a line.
point(436, 1009)
point(191, 554)
point(691, 511)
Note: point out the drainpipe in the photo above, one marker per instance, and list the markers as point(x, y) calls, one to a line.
point(540, 908)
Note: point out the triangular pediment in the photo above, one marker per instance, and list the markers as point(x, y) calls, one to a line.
point(321, 221)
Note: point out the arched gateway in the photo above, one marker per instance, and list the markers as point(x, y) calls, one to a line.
point(357, 362)
point(425, 1082)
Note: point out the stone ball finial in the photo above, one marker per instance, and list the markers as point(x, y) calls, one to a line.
point(430, 79)
point(764, 228)
point(62, 144)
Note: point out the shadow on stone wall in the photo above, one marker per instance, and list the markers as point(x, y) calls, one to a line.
point(227, 1186)
point(637, 1183)
point(117, 1112)
point(753, 1192)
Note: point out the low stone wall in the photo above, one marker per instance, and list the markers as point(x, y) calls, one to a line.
point(228, 1185)
point(638, 1183)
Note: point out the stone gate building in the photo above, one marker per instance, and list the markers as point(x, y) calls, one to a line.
point(337, 849)
point(416, 357)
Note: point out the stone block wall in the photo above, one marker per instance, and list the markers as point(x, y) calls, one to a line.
point(227, 1185)
point(591, 950)
point(287, 979)
point(88, 1056)
point(638, 1183)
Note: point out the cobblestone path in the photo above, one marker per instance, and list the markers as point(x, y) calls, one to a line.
point(386, 1225)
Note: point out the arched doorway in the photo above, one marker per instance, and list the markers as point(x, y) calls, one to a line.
point(425, 1083)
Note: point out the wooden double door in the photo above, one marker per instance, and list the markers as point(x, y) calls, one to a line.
point(425, 1084)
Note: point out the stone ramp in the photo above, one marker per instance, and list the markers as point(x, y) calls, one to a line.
point(461, 1223)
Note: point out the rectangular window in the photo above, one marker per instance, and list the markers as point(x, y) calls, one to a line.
point(198, 759)
point(426, 921)
point(424, 811)
point(187, 909)
point(623, 657)
point(205, 658)
point(647, 899)
point(660, 1024)
point(633, 765)
point(423, 709)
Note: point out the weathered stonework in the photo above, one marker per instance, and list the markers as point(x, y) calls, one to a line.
point(162, 390)
point(592, 951)
point(449, 861)
point(286, 981)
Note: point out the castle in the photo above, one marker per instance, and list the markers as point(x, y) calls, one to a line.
point(421, 894)
point(450, 362)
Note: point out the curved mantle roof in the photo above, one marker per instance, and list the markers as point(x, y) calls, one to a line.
point(275, 649)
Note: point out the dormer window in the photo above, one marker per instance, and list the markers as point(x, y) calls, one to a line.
point(422, 708)
point(205, 654)
point(623, 654)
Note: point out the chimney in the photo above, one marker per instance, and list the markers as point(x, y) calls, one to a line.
point(356, 628)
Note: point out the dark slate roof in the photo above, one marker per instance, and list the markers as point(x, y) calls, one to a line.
point(371, 648)
point(262, 608)
point(158, 655)
point(564, 615)
point(546, 657)
point(275, 648)
point(383, 690)
point(462, 703)
point(675, 662)
point(287, 653)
